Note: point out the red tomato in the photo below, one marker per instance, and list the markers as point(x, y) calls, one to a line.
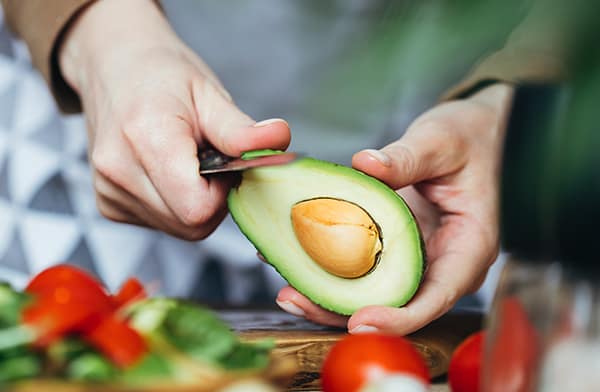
point(52, 319)
point(68, 300)
point(118, 341)
point(514, 352)
point(62, 281)
point(132, 290)
point(464, 371)
point(358, 359)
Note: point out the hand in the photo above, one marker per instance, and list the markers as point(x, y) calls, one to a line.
point(149, 103)
point(447, 168)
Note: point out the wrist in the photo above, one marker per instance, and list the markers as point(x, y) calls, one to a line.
point(498, 99)
point(497, 96)
point(105, 33)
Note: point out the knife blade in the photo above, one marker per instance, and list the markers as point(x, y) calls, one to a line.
point(212, 161)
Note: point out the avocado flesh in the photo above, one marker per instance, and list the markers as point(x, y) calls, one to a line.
point(261, 207)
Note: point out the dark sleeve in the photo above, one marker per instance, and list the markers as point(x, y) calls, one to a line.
point(536, 51)
point(40, 23)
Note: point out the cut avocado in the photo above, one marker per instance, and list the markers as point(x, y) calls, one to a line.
point(342, 238)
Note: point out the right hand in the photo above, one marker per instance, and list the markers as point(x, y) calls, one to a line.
point(150, 102)
point(447, 166)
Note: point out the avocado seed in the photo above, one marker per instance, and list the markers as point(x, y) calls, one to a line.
point(338, 235)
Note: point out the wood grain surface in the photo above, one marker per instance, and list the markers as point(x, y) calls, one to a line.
point(308, 343)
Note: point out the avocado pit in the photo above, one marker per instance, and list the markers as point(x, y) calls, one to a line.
point(338, 235)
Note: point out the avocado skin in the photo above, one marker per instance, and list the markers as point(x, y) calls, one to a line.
point(333, 169)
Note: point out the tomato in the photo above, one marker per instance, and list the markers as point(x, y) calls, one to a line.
point(67, 299)
point(359, 359)
point(51, 319)
point(514, 352)
point(464, 371)
point(118, 341)
point(132, 290)
point(70, 301)
point(63, 281)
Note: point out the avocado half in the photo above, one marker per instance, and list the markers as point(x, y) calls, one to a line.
point(262, 207)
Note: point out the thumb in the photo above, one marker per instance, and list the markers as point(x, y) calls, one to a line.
point(230, 130)
point(426, 151)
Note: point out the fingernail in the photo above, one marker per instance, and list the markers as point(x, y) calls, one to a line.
point(270, 121)
point(362, 328)
point(380, 156)
point(291, 307)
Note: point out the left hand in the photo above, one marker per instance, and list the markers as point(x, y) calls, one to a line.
point(150, 102)
point(447, 168)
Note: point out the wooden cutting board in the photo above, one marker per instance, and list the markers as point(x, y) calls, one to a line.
point(308, 343)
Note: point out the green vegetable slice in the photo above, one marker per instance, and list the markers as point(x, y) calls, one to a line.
point(259, 153)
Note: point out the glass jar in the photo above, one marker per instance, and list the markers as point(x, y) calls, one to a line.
point(544, 325)
point(543, 331)
point(571, 360)
point(524, 311)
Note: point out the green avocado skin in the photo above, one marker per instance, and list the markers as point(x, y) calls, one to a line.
point(254, 217)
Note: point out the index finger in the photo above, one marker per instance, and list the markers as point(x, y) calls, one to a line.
point(167, 151)
point(230, 130)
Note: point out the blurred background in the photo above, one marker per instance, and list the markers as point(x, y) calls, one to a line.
point(347, 75)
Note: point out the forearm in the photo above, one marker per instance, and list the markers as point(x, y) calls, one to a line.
point(107, 32)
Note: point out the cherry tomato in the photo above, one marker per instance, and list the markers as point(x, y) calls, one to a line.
point(118, 341)
point(68, 300)
point(514, 352)
point(51, 319)
point(132, 290)
point(62, 281)
point(359, 359)
point(465, 365)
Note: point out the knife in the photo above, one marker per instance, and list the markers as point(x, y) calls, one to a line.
point(213, 161)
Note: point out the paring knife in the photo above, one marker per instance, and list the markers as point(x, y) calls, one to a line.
point(213, 161)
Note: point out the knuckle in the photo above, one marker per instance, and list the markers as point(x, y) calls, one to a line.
point(139, 128)
point(445, 136)
point(109, 166)
point(405, 159)
point(217, 115)
point(193, 216)
point(444, 132)
point(100, 187)
point(103, 163)
point(132, 131)
point(139, 131)
point(202, 98)
point(440, 129)
point(433, 126)
point(107, 211)
point(194, 235)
